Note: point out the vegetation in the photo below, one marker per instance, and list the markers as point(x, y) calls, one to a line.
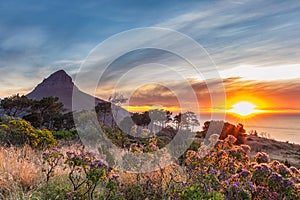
point(20, 132)
point(36, 162)
point(47, 113)
point(227, 172)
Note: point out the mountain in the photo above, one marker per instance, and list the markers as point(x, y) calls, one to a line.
point(60, 84)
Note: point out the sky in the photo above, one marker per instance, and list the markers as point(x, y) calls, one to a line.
point(255, 46)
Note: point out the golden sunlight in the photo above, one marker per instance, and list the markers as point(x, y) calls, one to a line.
point(244, 108)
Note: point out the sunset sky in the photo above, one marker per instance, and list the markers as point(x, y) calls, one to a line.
point(254, 44)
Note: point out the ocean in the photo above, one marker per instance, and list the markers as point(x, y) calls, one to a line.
point(281, 127)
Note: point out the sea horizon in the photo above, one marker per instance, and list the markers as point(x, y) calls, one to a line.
point(282, 127)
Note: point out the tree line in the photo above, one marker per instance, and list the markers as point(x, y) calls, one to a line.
point(47, 112)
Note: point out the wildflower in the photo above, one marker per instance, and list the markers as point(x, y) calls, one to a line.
point(275, 178)
point(203, 150)
point(97, 164)
point(222, 153)
point(153, 147)
point(219, 144)
point(262, 157)
point(261, 191)
point(283, 170)
point(294, 170)
point(275, 163)
point(244, 173)
point(231, 139)
point(246, 148)
point(236, 185)
point(134, 129)
point(251, 186)
point(286, 183)
point(135, 148)
point(261, 172)
point(213, 138)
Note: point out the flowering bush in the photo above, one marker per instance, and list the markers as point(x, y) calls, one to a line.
point(20, 132)
point(228, 169)
point(216, 170)
point(85, 173)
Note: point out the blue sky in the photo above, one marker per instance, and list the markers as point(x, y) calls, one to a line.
point(244, 38)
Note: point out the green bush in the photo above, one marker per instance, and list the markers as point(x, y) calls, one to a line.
point(64, 135)
point(19, 132)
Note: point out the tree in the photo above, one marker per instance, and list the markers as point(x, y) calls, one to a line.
point(168, 117)
point(177, 121)
point(102, 109)
point(16, 105)
point(141, 119)
point(44, 112)
point(189, 120)
point(116, 101)
point(224, 129)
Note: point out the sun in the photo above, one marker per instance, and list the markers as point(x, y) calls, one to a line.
point(244, 108)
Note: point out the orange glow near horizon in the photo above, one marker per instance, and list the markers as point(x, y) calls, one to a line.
point(147, 108)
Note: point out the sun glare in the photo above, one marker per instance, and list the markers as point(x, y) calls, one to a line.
point(244, 108)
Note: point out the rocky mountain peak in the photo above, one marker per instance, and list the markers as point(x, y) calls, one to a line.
point(59, 78)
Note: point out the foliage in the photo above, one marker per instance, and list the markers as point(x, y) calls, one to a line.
point(47, 112)
point(85, 174)
point(16, 105)
point(65, 134)
point(228, 169)
point(225, 129)
point(20, 132)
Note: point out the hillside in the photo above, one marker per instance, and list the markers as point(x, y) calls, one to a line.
point(277, 150)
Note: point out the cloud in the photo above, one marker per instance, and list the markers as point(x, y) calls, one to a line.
point(268, 95)
point(251, 40)
point(251, 33)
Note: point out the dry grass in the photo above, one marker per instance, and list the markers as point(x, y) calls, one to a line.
point(20, 170)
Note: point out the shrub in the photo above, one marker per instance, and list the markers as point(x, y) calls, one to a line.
point(64, 135)
point(262, 157)
point(20, 132)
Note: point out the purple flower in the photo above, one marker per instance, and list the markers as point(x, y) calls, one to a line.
point(262, 170)
point(235, 185)
point(244, 173)
point(294, 170)
point(262, 157)
point(276, 178)
point(251, 186)
point(97, 164)
point(287, 183)
point(283, 170)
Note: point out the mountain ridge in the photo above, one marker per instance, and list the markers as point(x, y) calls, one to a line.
point(61, 85)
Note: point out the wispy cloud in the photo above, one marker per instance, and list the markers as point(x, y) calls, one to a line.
point(255, 40)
